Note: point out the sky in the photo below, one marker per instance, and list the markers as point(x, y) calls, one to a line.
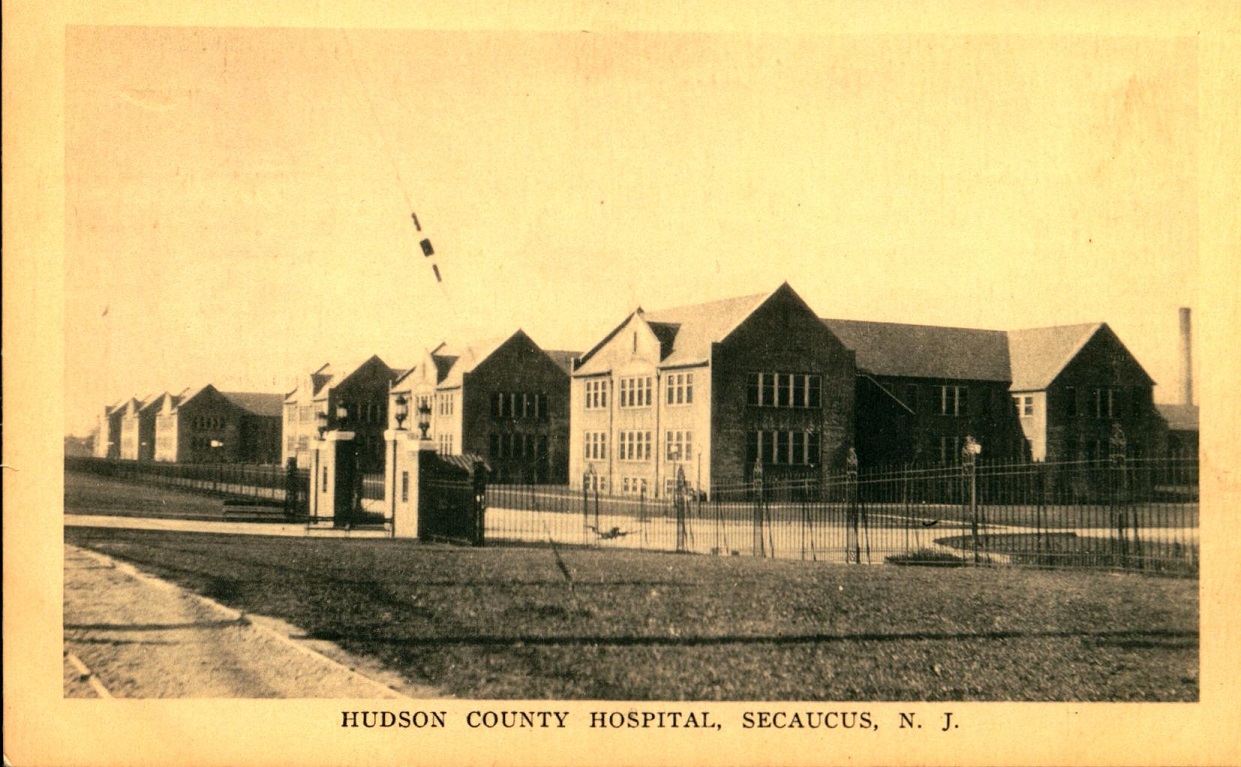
point(238, 201)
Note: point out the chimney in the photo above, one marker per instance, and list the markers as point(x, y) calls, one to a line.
point(1187, 357)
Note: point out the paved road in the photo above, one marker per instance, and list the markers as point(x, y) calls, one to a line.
point(131, 635)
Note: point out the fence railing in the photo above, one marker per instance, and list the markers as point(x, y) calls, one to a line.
point(1134, 515)
point(229, 480)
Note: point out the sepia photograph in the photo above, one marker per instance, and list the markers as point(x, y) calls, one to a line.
point(612, 383)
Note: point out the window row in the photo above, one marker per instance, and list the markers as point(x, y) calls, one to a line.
point(520, 446)
point(633, 446)
point(679, 388)
point(444, 442)
point(784, 390)
point(633, 485)
point(203, 443)
point(366, 412)
point(636, 445)
point(1107, 402)
point(207, 423)
point(596, 445)
point(794, 448)
point(635, 392)
point(529, 405)
point(596, 394)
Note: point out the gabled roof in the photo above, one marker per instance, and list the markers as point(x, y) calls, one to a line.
point(330, 376)
point(686, 333)
point(256, 403)
point(470, 357)
point(1039, 354)
point(444, 357)
point(563, 359)
point(1179, 417)
point(925, 351)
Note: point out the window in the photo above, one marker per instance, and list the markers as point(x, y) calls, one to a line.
point(1025, 405)
point(446, 403)
point(953, 400)
point(635, 392)
point(1070, 402)
point(633, 486)
point(950, 449)
point(1103, 401)
point(679, 445)
point(796, 448)
point(325, 479)
point(595, 482)
point(445, 444)
point(633, 446)
point(596, 394)
point(405, 487)
point(784, 390)
point(680, 388)
point(596, 445)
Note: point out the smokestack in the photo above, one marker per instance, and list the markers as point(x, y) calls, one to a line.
point(1187, 356)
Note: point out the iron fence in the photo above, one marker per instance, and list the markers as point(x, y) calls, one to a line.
point(1133, 515)
point(276, 484)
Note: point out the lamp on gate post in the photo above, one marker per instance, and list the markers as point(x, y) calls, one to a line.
point(424, 416)
point(402, 411)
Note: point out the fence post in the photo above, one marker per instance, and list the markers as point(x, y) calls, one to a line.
point(757, 545)
point(969, 467)
point(1116, 455)
point(851, 509)
point(679, 501)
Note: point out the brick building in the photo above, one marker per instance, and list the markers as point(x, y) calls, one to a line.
point(709, 391)
point(1071, 383)
point(921, 390)
point(503, 399)
point(138, 429)
point(209, 426)
point(108, 439)
point(351, 398)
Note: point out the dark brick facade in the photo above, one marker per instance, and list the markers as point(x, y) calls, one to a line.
point(364, 395)
point(914, 420)
point(524, 438)
point(1103, 384)
point(782, 336)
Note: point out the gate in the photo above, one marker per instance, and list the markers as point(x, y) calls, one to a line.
point(451, 497)
point(296, 491)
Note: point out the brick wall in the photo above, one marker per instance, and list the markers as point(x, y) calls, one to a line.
point(782, 336)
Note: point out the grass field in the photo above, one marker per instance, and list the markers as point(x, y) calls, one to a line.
point(502, 623)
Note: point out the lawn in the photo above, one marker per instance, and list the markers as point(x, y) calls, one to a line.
point(502, 623)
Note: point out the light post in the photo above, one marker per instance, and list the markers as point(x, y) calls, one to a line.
point(402, 411)
point(969, 463)
point(424, 416)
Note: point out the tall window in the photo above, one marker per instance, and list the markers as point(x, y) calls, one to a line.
point(596, 445)
point(633, 446)
point(679, 445)
point(405, 487)
point(526, 405)
point(596, 394)
point(950, 449)
point(1025, 405)
point(446, 403)
point(635, 392)
point(954, 400)
point(796, 448)
point(679, 388)
point(1104, 400)
point(445, 444)
point(792, 390)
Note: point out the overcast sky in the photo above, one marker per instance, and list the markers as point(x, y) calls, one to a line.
point(238, 200)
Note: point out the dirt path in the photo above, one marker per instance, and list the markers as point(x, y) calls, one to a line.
point(129, 635)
